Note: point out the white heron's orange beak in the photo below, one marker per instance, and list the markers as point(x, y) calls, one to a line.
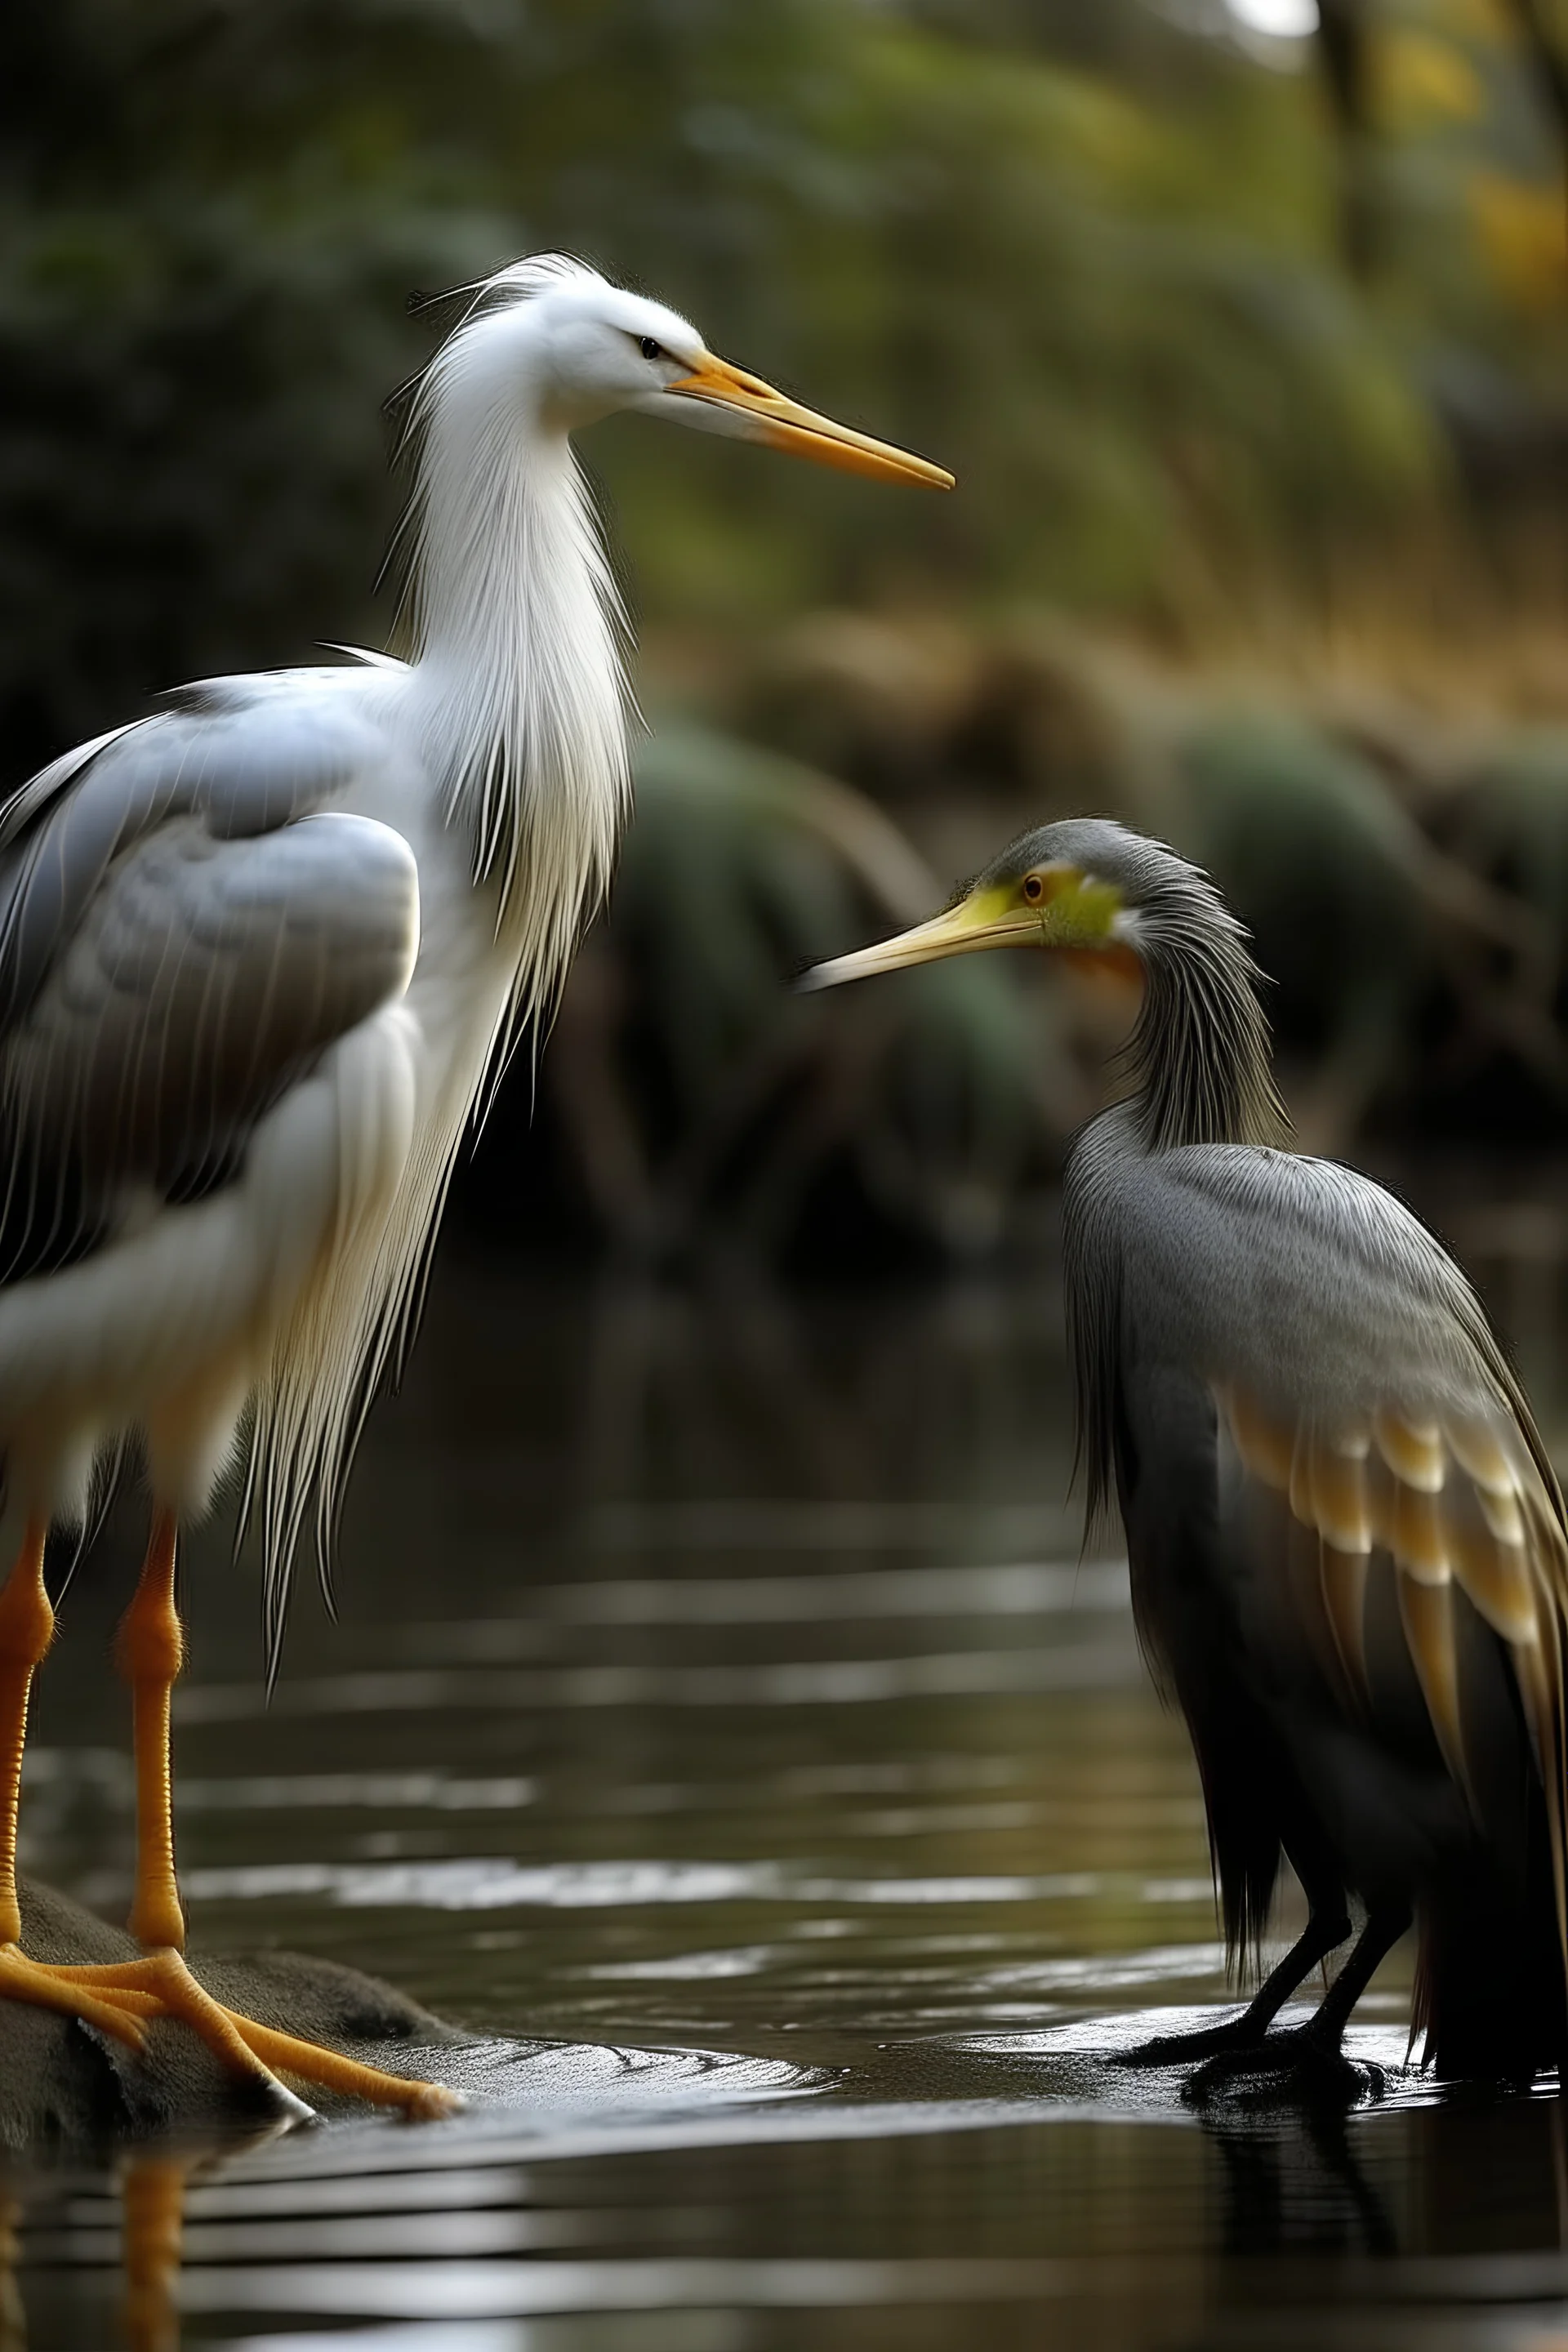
point(755, 412)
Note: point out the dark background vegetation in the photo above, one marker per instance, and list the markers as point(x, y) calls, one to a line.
point(1251, 355)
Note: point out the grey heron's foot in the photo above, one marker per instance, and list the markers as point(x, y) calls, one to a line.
point(1187, 2049)
point(160, 1985)
point(1300, 2065)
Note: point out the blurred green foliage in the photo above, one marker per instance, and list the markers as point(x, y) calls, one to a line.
point(1403, 882)
point(1412, 924)
point(1083, 250)
point(1203, 342)
point(708, 1105)
point(1320, 862)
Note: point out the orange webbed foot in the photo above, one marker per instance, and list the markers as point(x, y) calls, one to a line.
point(121, 1997)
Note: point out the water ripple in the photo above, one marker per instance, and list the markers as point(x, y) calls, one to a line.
point(830, 1681)
point(486, 1882)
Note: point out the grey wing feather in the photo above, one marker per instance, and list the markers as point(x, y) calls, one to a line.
point(1281, 1268)
point(181, 937)
point(245, 761)
point(1393, 1523)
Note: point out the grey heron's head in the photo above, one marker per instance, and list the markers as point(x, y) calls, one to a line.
point(1086, 888)
point(572, 348)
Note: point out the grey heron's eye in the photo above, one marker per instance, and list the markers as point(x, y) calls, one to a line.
point(1034, 889)
point(649, 349)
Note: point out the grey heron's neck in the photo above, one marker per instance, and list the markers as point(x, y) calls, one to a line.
point(518, 660)
point(1199, 1054)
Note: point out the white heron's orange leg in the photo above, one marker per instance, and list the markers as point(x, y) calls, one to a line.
point(149, 1651)
point(27, 1629)
point(119, 1996)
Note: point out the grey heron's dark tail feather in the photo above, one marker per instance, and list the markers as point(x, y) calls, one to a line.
point(1243, 1806)
point(1490, 2000)
point(1253, 1804)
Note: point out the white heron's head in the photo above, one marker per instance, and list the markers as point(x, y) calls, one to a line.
point(570, 348)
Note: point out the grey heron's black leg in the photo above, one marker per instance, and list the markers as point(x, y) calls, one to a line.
point(1308, 2057)
point(1324, 1931)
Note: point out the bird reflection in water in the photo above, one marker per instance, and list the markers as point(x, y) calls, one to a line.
point(1316, 2220)
point(151, 2207)
point(153, 2204)
point(13, 2318)
point(1295, 2186)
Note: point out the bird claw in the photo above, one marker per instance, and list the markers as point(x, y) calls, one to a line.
point(287, 2105)
point(1296, 2067)
point(435, 2103)
point(1185, 2049)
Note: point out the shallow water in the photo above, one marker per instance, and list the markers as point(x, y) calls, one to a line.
point(718, 1694)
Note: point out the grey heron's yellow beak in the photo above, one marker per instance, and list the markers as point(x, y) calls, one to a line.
point(1051, 904)
point(986, 919)
point(761, 413)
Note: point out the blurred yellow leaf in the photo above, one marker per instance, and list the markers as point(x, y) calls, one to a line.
point(1423, 79)
point(1522, 227)
point(1481, 20)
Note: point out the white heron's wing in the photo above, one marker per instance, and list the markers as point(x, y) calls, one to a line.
point(186, 925)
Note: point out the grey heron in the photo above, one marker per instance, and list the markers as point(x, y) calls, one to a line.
point(1348, 1547)
point(258, 953)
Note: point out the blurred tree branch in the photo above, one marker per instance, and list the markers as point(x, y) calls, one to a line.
point(1550, 67)
point(1342, 47)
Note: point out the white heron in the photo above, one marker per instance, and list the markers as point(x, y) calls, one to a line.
point(258, 953)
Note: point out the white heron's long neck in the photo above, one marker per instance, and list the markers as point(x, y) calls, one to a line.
point(519, 676)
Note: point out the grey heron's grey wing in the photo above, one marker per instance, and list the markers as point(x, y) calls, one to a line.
point(1432, 1508)
point(183, 930)
point(1377, 1462)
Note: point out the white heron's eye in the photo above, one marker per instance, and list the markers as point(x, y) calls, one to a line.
point(649, 349)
